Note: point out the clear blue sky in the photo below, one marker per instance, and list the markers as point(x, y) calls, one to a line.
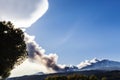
point(80, 29)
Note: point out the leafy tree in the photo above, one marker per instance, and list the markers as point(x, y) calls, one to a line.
point(12, 48)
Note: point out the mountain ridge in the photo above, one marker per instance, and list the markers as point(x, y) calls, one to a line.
point(104, 64)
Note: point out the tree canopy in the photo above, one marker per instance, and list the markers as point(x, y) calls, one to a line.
point(12, 48)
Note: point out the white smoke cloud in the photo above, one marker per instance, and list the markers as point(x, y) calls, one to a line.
point(23, 13)
point(37, 53)
point(87, 62)
point(27, 68)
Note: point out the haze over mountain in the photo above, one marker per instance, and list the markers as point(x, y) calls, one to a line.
point(95, 64)
point(104, 64)
point(97, 67)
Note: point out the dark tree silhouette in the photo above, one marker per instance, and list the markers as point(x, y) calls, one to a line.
point(12, 48)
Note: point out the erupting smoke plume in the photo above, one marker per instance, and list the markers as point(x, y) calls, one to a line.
point(36, 53)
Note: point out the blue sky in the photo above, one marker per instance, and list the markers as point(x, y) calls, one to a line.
point(79, 30)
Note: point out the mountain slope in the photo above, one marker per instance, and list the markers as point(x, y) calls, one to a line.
point(111, 75)
point(102, 65)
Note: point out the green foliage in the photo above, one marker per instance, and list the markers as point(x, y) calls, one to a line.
point(77, 77)
point(12, 48)
point(93, 77)
point(104, 78)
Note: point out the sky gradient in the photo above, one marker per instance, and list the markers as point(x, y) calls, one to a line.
point(79, 30)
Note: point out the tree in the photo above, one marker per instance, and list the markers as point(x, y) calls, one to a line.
point(12, 48)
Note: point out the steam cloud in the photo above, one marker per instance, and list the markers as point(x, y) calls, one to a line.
point(36, 53)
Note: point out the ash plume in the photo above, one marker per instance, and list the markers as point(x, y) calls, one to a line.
point(36, 53)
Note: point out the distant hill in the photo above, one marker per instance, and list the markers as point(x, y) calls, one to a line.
point(94, 64)
point(100, 68)
point(111, 75)
point(102, 65)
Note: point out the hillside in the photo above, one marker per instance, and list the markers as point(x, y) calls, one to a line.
point(110, 75)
